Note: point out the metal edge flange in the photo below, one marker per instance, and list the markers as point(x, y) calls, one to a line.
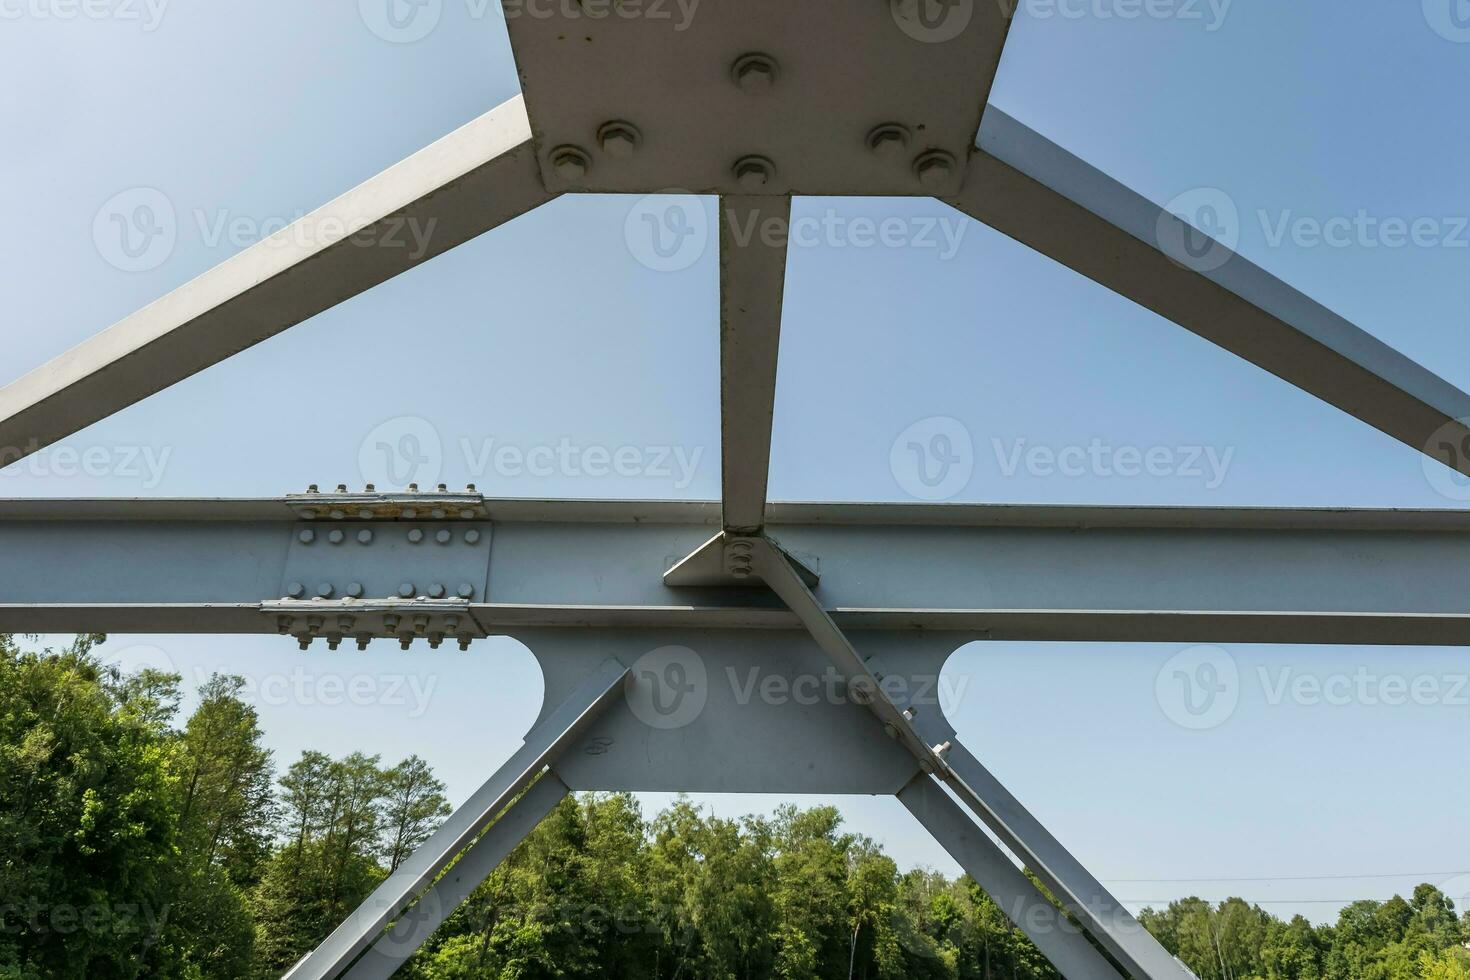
point(341, 505)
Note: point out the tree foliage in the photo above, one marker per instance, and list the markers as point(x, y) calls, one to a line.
point(133, 845)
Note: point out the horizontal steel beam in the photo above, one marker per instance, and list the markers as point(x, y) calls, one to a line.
point(1034, 191)
point(475, 179)
point(1301, 576)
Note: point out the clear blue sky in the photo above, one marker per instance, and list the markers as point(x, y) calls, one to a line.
point(551, 329)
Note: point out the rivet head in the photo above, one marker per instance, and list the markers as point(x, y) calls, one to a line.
point(570, 162)
point(740, 571)
point(307, 536)
point(472, 536)
point(754, 73)
point(438, 513)
point(365, 536)
point(405, 590)
point(934, 168)
point(466, 590)
point(618, 139)
point(409, 513)
point(888, 140)
point(443, 535)
point(416, 535)
point(336, 536)
point(754, 172)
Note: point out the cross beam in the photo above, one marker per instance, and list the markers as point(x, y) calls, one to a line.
point(1058, 573)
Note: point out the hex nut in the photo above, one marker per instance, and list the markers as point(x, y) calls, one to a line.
point(889, 140)
point(570, 163)
point(754, 172)
point(754, 73)
point(934, 168)
point(619, 139)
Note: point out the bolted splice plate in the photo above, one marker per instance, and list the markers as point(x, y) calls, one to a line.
point(831, 97)
point(394, 560)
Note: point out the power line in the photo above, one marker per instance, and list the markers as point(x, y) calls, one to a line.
point(1423, 875)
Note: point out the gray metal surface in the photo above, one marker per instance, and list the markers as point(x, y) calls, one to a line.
point(752, 281)
point(838, 70)
point(973, 572)
point(1034, 191)
point(471, 181)
point(544, 745)
point(1059, 939)
point(412, 929)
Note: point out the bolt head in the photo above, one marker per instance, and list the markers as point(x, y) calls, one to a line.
point(741, 571)
point(365, 536)
point(443, 535)
point(466, 590)
point(569, 163)
point(336, 536)
point(406, 590)
point(472, 536)
point(353, 590)
point(416, 535)
point(755, 74)
point(295, 590)
point(754, 173)
point(325, 590)
point(436, 591)
point(889, 140)
point(618, 139)
point(934, 168)
point(307, 536)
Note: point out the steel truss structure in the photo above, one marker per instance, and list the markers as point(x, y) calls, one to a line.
point(753, 102)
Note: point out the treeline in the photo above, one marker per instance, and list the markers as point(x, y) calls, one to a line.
point(135, 844)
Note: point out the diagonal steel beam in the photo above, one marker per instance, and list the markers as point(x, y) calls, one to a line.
point(475, 179)
point(1034, 191)
point(753, 232)
point(543, 747)
point(933, 745)
point(393, 948)
point(1060, 940)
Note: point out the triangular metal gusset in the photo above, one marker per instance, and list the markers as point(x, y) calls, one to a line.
point(640, 612)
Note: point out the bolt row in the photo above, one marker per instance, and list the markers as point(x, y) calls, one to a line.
point(354, 590)
point(438, 513)
point(755, 74)
point(407, 631)
point(365, 536)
